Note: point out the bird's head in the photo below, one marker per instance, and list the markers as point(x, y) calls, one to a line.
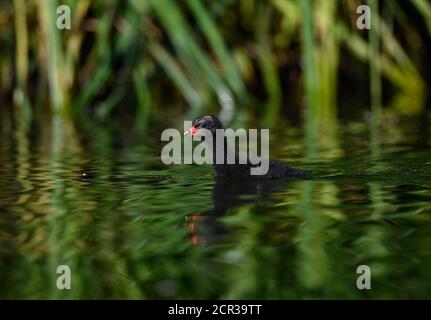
point(207, 122)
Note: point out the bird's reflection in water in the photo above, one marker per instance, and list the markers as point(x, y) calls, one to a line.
point(204, 228)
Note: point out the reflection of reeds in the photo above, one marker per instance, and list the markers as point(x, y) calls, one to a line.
point(124, 237)
point(424, 8)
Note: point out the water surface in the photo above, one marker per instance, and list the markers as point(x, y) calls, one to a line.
point(97, 198)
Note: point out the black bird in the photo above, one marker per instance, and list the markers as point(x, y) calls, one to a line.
point(276, 169)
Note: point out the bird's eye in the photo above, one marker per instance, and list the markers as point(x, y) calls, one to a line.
point(203, 125)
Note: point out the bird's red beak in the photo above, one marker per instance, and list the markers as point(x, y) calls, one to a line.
point(191, 131)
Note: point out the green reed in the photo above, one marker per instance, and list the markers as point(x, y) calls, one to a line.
point(123, 53)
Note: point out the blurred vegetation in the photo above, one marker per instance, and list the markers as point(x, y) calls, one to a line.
point(240, 53)
point(127, 228)
point(124, 225)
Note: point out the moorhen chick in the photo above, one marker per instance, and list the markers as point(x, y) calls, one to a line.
point(276, 169)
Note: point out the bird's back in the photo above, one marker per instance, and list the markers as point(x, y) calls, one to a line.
point(276, 169)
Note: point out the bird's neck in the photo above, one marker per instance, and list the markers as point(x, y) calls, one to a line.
point(219, 148)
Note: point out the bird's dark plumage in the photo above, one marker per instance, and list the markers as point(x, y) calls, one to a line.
point(276, 169)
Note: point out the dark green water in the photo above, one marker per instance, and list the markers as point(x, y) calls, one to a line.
point(98, 199)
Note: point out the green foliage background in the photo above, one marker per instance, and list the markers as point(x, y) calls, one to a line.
point(204, 53)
